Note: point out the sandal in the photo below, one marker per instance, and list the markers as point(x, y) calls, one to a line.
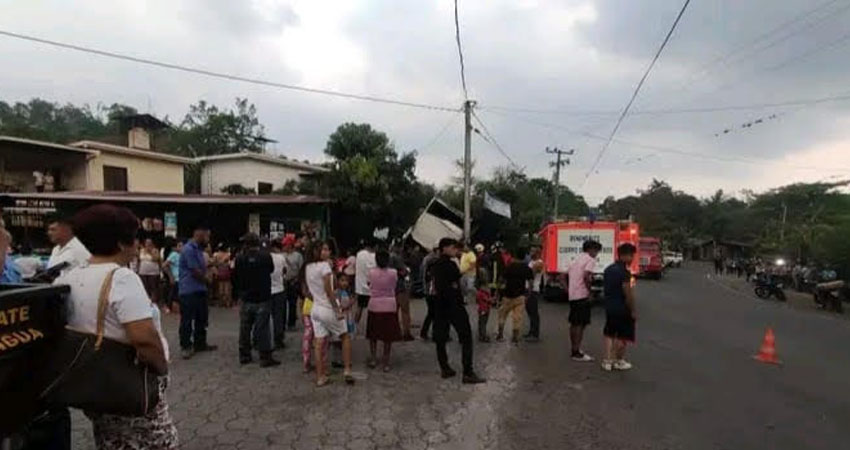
point(371, 363)
point(324, 381)
point(349, 379)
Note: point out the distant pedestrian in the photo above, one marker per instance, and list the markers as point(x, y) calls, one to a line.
point(620, 309)
point(531, 304)
point(364, 262)
point(252, 279)
point(468, 266)
point(326, 313)
point(402, 290)
point(718, 263)
point(382, 323)
point(150, 269)
point(222, 261)
point(292, 279)
point(449, 311)
point(518, 277)
point(429, 290)
point(278, 299)
point(171, 266)
point(192, 287)
point(28, 264)
point(485, 302)
point(580, 278)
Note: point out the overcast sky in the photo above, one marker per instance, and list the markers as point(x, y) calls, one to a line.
point(581, 59)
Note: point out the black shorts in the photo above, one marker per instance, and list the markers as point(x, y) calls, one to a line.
point(363, 301)
point(580, 312)
point(620, 326)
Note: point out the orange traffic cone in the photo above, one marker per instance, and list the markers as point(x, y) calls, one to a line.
point(767, 353)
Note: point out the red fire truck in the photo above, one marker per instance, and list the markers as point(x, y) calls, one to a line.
point(562, 242)
point(651, 259)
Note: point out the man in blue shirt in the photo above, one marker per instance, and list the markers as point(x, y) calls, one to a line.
point(192, 288)
point(620, 312)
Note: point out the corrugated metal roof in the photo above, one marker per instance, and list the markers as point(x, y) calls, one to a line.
point(264, 158)
point(146, 197)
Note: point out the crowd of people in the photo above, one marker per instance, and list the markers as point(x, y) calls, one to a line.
point(97, 252)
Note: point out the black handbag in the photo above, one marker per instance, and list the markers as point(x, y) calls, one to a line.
point(98, 374)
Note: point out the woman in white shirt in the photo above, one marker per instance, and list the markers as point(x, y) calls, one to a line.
point(150, 269)
point(109, 233)
point(326, 315)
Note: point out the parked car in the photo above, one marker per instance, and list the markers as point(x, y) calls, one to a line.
point(672, 259)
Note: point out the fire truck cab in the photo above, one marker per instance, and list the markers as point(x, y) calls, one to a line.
point(562, 242)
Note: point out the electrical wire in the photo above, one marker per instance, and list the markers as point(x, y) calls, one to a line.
point(460, 55)
point(226, 76)
point(634, 95)
point(437, 136)
point(488, 137)
point(676, 151)
point(668, 111)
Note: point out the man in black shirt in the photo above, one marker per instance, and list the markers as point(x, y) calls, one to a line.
point(517, 276)
point(449, 311)
point(252, 286)
point(620, 312)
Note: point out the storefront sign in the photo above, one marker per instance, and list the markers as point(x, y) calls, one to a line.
point(170, 224)
point(254, 223)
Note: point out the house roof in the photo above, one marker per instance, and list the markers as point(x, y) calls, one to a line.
point(264, 158)
point(146, 121)
point(147, 197)
point(24, 141)
point(101, 146)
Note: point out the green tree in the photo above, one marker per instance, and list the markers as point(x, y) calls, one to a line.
point(52, 122)
point(372, 184)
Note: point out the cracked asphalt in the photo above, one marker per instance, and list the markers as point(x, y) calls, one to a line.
point(694, 386)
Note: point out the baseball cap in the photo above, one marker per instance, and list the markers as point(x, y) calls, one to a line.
point(479, 247)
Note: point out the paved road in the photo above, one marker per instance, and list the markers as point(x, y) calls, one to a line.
point(694, 386)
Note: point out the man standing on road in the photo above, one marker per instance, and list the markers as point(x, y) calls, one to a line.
point(278, 295)
point(68, 249)
point(531, 304)
point(363, 264)
point(192, 288)
point(292, 270)
point(429, 290)
point(518, 276)
point(580, 273)
point(402, 291)
point(620, 311)
point(254, 267)
point(449, 311)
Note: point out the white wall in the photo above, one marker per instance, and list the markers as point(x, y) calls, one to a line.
point(215, 175)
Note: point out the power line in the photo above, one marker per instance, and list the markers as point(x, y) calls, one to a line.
point(437, 136)
point(488, 137)
point(669, 111)
point(226, 76)
point(460, 55)
point(676, 151)
point(635, 94)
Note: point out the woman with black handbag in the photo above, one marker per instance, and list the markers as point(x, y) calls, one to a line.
point(115, 329)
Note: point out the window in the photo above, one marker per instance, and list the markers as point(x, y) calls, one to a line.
point(114, 178)
point(264, 188)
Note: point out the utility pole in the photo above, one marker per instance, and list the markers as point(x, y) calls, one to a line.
point(557, 164)
point(467, 170)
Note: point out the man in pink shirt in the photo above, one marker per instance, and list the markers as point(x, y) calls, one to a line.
point(580, 272)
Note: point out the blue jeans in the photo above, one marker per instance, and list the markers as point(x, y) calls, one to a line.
point(254, 322)
point(194, 318)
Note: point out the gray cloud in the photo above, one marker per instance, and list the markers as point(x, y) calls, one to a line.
point(579, 55)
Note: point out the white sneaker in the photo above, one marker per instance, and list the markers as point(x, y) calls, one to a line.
point(583, 358)
point(622, 364)
point(607, 365)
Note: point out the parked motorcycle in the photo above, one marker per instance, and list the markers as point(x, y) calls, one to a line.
point(831, 295)
point(769, 286)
